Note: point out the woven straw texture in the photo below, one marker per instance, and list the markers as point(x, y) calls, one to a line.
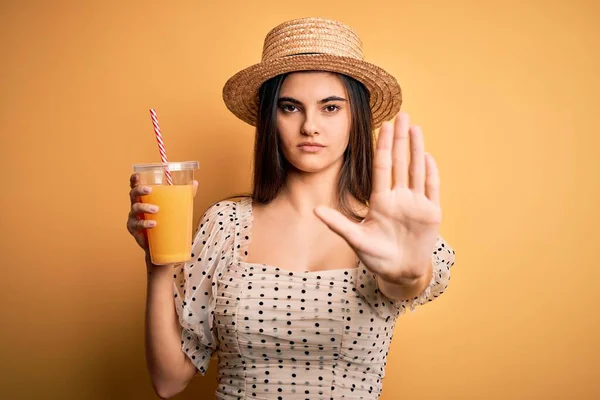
point(312, 44)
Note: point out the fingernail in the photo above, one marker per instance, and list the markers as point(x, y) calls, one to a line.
point(154, 208)
point(152, 223)
point(146, 189)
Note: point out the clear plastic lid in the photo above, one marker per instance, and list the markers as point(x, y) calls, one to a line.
point(170, 166)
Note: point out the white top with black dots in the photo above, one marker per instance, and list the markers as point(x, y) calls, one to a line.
point(281, 334)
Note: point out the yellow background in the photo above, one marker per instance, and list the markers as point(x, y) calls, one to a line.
point(507, 95)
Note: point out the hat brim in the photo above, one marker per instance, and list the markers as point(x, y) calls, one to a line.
point(240, 93)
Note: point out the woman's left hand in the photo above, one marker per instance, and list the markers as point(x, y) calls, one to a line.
point(398, 235)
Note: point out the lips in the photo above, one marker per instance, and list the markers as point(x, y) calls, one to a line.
point(311, 147)
point(311, 144)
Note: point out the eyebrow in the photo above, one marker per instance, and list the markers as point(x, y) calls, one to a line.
point(325, 100)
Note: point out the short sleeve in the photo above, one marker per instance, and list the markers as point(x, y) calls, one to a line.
point(195, 283)
point(442, 259)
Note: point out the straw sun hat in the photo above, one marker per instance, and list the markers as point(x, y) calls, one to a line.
point(312, 44)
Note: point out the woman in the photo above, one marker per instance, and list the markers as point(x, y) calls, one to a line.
point(298, 286)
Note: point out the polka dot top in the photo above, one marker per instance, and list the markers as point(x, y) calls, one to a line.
point(281, 334)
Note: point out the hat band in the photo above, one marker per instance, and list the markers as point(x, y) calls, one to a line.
point(302, 54)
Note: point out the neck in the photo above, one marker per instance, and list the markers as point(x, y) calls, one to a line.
point(304, 191)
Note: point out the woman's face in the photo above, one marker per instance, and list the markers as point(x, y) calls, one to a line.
point(313, 107)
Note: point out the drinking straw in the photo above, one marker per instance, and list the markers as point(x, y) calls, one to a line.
point(161, 145)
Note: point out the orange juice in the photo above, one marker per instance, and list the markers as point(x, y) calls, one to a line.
point(171, 239)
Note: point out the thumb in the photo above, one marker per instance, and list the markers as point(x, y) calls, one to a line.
point(195, 187)
point(350, 231)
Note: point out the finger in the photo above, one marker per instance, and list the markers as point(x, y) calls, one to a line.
point(350, 231)
point(134, 180)
point(135, 226)
point(432, 185)
point(142, 224)
point(400, 151)
point(139, 208)
point(382, 163)
point(137, 191)
point(417, 160)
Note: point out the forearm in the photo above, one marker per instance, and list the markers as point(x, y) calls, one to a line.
point(405, 288)
point(164, 358)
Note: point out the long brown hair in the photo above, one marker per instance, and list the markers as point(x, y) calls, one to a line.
point(270, 165)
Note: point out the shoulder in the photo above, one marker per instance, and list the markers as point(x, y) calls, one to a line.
point(224, 210)
point(220, 208)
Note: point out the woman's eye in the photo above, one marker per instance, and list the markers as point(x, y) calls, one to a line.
point(288, 107)
point(332, 108)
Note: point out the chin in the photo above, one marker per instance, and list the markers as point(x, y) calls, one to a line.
point(311, 166)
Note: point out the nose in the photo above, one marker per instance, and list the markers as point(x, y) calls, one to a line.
point(309, 125)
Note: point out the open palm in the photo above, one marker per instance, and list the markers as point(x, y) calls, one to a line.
point(398, 235)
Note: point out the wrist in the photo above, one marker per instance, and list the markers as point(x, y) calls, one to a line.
point(405, 286)
point(410, 275)
point(157, 270)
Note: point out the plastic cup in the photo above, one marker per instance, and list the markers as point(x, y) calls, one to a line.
point(170, 241)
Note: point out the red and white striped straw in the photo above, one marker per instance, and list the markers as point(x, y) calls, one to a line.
point(161, 144)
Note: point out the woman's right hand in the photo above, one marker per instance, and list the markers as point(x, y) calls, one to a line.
point(136, 224)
